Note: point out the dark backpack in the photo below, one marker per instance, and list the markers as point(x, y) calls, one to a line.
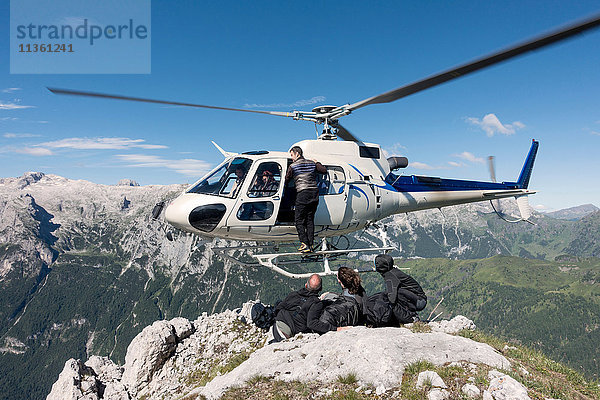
point(263, 316)
point(377, 309)
point(344, 311)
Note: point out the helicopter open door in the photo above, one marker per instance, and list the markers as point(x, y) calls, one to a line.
point(258, 203)
point(332, 197)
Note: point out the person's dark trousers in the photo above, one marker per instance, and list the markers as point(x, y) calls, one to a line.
point(306, 206)
point(402, 311)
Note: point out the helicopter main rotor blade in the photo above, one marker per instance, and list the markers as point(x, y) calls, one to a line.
point(480, 63)
point(345, 133)
point(174, 103)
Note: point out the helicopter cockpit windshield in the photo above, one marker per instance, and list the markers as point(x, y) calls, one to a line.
point(226, 180)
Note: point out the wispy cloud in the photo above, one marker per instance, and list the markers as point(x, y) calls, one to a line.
point(491, 125)
point(187, 166)
point(35, 151)
point(100, 144)
point(420, 165)
point(465, 155)
point(394, 149)
point(296, 104)
point(595, 133)
point(13, 106)
point(10, 135)
point(9, 119)
point(10, 89)
point(32, 151)
point(456, 164)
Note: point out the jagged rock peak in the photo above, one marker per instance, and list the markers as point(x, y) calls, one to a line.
point(216, 352)
point(32, 176)
point(127, 182)
point(29, 178)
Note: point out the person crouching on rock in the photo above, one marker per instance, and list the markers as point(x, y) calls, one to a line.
point(292, 312)
point(337, 312)
point(404, 292)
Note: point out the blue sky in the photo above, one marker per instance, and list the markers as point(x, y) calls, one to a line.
point(279, 55)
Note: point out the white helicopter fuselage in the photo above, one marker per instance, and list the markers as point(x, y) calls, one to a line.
point(358, 190)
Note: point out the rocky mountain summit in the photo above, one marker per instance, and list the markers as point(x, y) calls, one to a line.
point(83, 270)
point(215, 354)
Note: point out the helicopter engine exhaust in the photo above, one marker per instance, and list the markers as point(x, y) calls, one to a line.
point(397, 162)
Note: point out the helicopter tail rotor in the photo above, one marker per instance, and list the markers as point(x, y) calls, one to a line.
point(495, 203)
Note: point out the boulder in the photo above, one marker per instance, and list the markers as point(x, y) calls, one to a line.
point(149, 350)
point(430, 378)
point(453, 325)
point(471, 391)
point(76, 382)
point(503, 387)
point(377, 356)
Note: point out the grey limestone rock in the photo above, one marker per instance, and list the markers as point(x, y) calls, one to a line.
point(454, 325)
point(503, 387)
point(430, 378)
point(76, 381)
point(150, 349)
point(105, 369)
point(437, 394)
point(471, 390)
point(324, 358)
point(177, 356)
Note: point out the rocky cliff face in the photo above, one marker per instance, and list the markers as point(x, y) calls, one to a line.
point(211, 355)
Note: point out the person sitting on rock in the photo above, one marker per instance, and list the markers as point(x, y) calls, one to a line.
point(404, 292)
point(337, 312)
point(291, 313)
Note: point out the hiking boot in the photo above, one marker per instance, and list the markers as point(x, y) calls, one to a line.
point(303, 248)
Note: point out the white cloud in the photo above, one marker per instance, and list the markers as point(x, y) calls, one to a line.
point(420, 165)
point(491, 125)
point(465, 155)
point(456, 164)
point(595, 133)
point(392, 150)
point(9, 119)
point(296, 104)
point(187, 166)
point(10, 135)
point(35, 151)
point(12, 106)
point(100, 144)
point(11, 89)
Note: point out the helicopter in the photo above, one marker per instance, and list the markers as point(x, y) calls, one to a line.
point(246, 196)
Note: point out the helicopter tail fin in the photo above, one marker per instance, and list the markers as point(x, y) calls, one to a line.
point(523, 181)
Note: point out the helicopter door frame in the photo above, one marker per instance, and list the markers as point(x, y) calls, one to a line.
point(332, 205)
point(246, 214)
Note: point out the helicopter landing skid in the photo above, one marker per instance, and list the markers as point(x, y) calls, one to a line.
point(271, 260)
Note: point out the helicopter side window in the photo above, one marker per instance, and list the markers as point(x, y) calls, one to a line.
point(333, 182)
point(257, 211)
point(266, 181)
point(226, 180)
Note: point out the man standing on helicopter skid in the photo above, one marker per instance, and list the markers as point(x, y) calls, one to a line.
point(304, 173)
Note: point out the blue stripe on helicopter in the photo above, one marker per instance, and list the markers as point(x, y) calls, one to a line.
point(415, 183)
point(361, 191)
point(357, 170)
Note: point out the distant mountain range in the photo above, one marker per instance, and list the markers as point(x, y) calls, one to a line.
point(574, 213)
point(83, 268)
